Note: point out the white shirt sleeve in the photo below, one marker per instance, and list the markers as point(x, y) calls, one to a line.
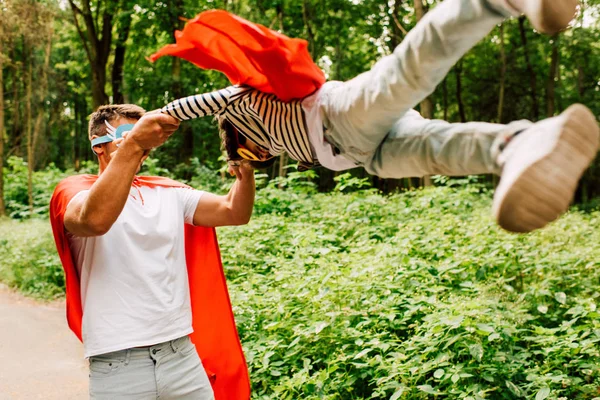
point(189, 198)
point(77, 196)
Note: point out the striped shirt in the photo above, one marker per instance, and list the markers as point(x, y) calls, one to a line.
point(264, 119)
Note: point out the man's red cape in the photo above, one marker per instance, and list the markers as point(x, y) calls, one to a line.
point(215, 334)
point(248, 54)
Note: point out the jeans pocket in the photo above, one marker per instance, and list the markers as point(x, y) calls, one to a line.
point(104, 367)
point(187, 348)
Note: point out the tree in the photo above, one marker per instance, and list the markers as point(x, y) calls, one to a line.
point(2, 134)
point(94, 25)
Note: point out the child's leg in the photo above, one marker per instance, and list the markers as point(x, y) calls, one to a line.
point(359, 113)
point(418, 147)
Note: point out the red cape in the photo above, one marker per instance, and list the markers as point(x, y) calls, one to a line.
point(248, 54)
point(215, 334)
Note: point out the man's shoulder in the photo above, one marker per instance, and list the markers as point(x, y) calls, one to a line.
point(75, 183)
point(78, 179)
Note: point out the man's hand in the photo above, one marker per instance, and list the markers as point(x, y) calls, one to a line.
point(152, 130)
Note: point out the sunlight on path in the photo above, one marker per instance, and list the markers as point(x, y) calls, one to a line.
point(41, 357)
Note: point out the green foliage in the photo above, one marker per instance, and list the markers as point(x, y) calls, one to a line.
point(363, 296)
point(419, 294)
point(29, 258)
point(15, 188)
point(346, 182)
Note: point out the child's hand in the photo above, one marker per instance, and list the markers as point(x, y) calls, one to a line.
point(240, 169)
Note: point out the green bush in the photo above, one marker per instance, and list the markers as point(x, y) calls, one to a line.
point(412, 296)
point(15, 188)
point(29, 258)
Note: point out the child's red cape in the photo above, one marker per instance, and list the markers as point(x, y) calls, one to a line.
point(248, 54)
point(215, 334)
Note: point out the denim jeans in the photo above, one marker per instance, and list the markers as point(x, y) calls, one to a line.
point(170, 370)
point(369, 118)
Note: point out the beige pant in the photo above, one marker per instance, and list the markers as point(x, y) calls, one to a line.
point(170, 370)
point(369, 118)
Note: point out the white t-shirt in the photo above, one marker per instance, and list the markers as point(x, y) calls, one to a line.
point(134, 283)
point(321, 148)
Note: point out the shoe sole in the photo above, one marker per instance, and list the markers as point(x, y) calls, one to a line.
point(539, 189)
point(551, 16)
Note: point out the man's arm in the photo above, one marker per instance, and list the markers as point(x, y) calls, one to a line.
point(95, 213)
point(235, 208)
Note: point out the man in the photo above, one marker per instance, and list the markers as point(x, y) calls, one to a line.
point(368, 120)
point(141, 270)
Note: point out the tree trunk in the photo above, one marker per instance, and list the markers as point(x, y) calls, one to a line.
point(43, 91)
point(461, 107)
point(120, 48)
point(502, 76)
point(306, 19)
point(283, 160)
point(96, 44)
point(551, 84)
point(17, 124)
point(445, 97)
point(29, 138)
point(2, 207)
point(532, 77)
point(185, 130)
point(99, 96)
point(426, 106)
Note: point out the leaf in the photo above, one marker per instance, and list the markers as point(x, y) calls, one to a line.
point(362, 353)
point(485, 328)
point(542, 308)
point(397, 394)
point(543, 393)
point(320, 326)
point(513, 388)
point(438, 373)
point(476, 351)
point(428, 389)
point(455, 378)
point(561, 297)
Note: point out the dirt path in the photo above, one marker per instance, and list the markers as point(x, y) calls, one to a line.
point(41, 357)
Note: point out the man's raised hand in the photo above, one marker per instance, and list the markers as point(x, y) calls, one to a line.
point(152, 130)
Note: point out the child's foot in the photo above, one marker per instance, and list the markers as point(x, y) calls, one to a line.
point(547, 16)
point(541, 167)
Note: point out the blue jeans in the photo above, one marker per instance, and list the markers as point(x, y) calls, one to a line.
point(370, 120)
point(170, 370)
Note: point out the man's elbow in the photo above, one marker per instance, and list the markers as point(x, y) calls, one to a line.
point(95, 226)
point(240, 219)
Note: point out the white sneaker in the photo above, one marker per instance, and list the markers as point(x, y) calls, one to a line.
point(541, 167)
point(547, 16)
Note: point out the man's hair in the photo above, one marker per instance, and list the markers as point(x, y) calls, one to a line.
point(230, 143)
point(110, 113)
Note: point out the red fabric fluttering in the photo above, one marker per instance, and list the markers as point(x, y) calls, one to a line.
point(248, 54)
point(215, 335)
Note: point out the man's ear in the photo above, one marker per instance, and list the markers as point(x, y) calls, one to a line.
point(99, 148)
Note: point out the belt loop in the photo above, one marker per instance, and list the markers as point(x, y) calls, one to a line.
point(173, 345)
point(127, 356)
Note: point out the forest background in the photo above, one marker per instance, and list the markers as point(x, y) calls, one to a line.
point(410, 294)
point(59, 60)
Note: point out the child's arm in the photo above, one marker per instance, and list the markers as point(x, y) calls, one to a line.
point(199, 105)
